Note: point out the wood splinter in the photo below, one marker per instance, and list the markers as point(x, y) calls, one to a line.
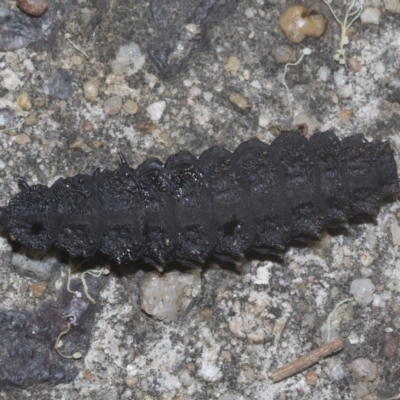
point(307, 360)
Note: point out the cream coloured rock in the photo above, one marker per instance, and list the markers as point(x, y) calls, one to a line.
point(168, 296)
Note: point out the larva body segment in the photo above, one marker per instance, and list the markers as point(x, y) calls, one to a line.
point(223, 204)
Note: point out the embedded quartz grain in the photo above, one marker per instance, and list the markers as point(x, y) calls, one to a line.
point(113, 105)
point(239, 101)
point(129, 60)
point(335, 369)
point(91, 89)
point(370, 15)
point(156, 110)
point(284, 54)
point(130, 107)
point(167, 297)
point(364, 369)
point(362, 290)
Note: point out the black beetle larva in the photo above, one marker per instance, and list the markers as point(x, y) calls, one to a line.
point(221, 204)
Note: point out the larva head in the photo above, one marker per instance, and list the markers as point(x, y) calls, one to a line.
point(27, 216)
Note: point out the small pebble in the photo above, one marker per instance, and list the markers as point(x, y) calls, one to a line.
point(362, 290)
point(156, 110)
point(59, 84)
point(88, 375)
point(31, 120)
point(364, 369)
point(86, 126)
point(5, 117)
point(38, 289)
point(232, 65)
point(355, 65)
point(129, 60)
point(239, 101)
point(34, 8)
point(263, 121)
point(24, 101)
point(113, 105)
point(131, 381)
point(130, 107)
point(284, 54)
point(91, 89)
point(323, 74)
point(370, 15)
point(394, 228)
point(311, 378)
point(335, 369)
point(297, 23)
point(392, 6)
point(390, 345)
point(22, 139)
point(345, 115)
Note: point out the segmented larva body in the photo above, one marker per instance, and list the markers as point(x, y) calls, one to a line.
point(222, 204)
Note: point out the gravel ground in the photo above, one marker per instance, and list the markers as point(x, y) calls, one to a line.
point(217, 334)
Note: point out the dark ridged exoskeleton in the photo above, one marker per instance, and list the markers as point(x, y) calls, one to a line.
point(222, 204)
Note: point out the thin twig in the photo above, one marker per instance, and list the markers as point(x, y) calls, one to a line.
point(302, 363)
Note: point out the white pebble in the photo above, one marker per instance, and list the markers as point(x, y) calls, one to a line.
point(323, 74)
point(249, 13)
point(113, 105)
point(364, 369)
point(380, 68)
point(129, 59)
point(370, 15)
point(263, 121)
point(362, 290)
point(156, 110)
point(346, 92)
point(91, 89)
point(207, 96)
point(256, 84)
point(395, 231)
point(335, 369)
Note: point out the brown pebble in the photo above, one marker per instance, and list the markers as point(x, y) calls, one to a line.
point(364, 369)
point(345, 115)
point(311, 378)
point(297, 23)
point(232, 65)
point(131, 381)
point(86, 126)
point(88, 375)
point(22, 139)
point(390, 345)
point(24, 101)
point(91, 89)
point(239, 101)
point(146, 128)
point(38, 289)
point(284, 54)
point(34, 8)
point(355, 65)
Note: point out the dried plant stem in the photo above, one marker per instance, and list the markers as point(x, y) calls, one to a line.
point(307, 360)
